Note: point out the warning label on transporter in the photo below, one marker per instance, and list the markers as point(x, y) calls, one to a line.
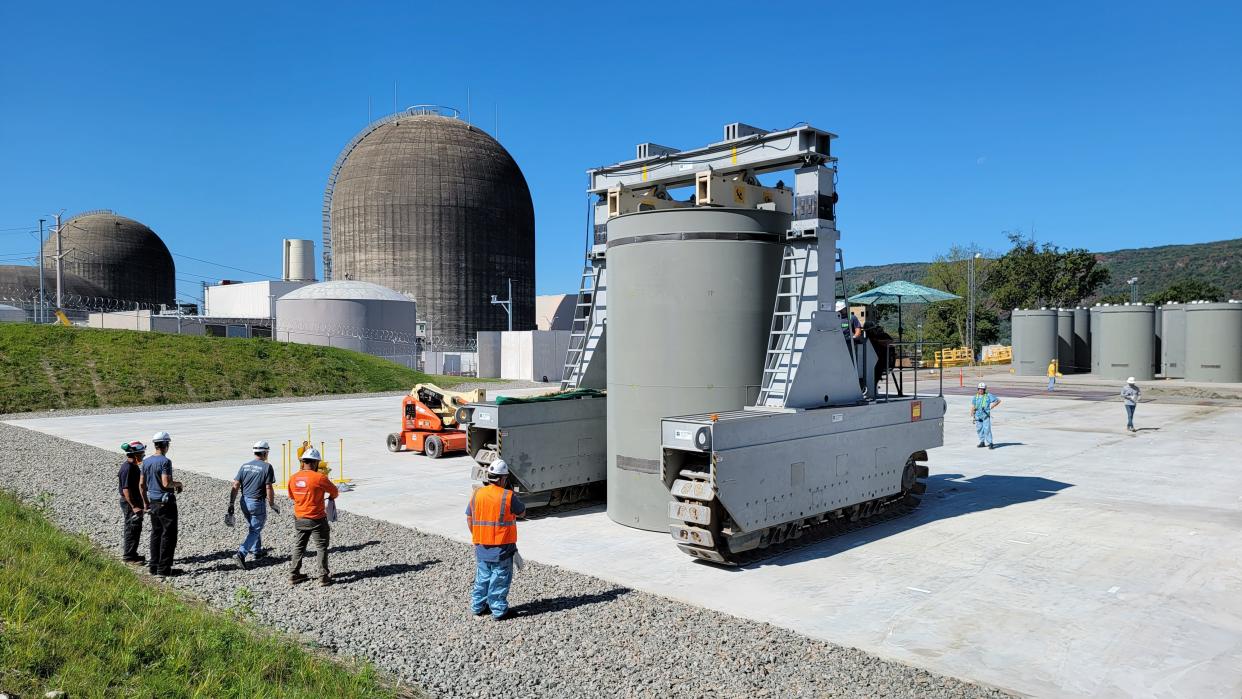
point(916, 410)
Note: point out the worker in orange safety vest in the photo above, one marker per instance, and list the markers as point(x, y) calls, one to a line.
point(492, 516)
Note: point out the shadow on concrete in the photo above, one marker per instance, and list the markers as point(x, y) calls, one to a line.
point(1147, 429)
point(948, 495)
point(561, 604)
point(998, 445)
point(380, 571)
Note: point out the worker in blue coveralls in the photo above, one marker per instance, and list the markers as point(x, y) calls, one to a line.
point(981, 412)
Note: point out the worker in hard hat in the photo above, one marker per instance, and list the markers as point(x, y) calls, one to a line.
point(1054, 372)
point(851, 327)
point(1130, 395)
point(492, 515)
point(981, 406)
point(128, 479)
point(254, 482)
point(159, 492)
point(308, 489)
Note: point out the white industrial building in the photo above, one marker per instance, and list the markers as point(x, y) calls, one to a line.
point(523, 355)
point(246, 299)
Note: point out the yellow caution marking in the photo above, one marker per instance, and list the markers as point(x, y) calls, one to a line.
point(735, 155)
point(644, 173)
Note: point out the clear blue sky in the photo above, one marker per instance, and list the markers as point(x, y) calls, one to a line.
point(217, 123)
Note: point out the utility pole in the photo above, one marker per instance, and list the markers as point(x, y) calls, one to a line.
point(39, 317)
point(970, 311)
point(60, 256)
point(507, 304)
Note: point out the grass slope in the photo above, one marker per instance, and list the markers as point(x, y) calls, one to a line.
point(43, 367)
point(75, 620)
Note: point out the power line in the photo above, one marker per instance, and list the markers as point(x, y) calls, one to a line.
point(217, 264)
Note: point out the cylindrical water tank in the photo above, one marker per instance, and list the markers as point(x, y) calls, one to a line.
point(1082, 339)
point(1213, 342)
point(1173, 341)
point(1065, 340)
point(1126, 339)
point(299, 260)
point(690, 297)
point(1097, 338)
point(1034, 340)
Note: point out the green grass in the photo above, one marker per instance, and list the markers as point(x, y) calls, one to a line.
point(76, 620)
point(44, 367)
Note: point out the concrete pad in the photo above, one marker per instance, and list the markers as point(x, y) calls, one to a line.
point(1076, 559)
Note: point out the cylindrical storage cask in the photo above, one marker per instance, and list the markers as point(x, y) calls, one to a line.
point(690, 300)
point(1126, 338)
point(1214, 342)
point(1034, 341)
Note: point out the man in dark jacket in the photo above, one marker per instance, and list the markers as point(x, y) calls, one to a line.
point(131, 501)
point(159, 491)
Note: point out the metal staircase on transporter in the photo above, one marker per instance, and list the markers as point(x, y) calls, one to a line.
point(590, 317)
point(787, 335)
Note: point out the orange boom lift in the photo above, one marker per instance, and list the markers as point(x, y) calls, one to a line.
point(429, 421)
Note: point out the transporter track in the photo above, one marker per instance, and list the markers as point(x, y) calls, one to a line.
point(790, 536)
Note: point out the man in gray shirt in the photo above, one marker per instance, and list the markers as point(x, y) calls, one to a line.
point(1130, 394)
point(254, 481)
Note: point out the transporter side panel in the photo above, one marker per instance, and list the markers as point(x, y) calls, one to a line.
point(690, 299)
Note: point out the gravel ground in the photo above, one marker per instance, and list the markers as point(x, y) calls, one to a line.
point(489, 386)
point(401, 601)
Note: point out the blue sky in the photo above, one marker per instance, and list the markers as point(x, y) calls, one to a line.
point(217, 123)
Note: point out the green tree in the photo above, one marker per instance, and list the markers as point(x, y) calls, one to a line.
point(1031, 274)
point(1187, 290)
point(945, 321)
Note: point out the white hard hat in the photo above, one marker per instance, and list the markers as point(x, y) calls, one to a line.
point(262, 445)
point(311, 454)
point(840, 306)
point(982, 385)
point(1130, 380)
point(498, 468)
point(160, 437)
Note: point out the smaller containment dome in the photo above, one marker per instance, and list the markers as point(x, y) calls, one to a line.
point(354, 315)
point(122, 256)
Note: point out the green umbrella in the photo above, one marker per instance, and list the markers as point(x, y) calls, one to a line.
point(901, 292)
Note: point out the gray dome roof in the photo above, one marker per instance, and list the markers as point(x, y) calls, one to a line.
point(347, 290)
point(122, 256)
point(21, 283)
point(432, 206)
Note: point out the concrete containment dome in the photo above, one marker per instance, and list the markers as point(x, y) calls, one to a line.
point(124, 257)
point(354, 315)
point(430, 205)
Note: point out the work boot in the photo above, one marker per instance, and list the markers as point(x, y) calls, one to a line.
point(506, 614)
point(136, 560)
point(325, 580)
point(170, 573)
point(484, 611)
point(991, 446)
point(298, 578)
point(241, 561)
point(982, 445)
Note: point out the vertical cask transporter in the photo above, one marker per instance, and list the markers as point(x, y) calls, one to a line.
point(702, 297)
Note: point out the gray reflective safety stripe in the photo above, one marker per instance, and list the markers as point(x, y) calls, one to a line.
point(504, 501)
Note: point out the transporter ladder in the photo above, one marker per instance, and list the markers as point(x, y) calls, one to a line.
point(590, 314)
point(783, 337)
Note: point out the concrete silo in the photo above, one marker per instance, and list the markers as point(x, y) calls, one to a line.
point(1082, 339)
point(1173, 341)
point(1065, 340)
point(123, 257)
point(429, 205)
point(359, 316)
point(690, 297)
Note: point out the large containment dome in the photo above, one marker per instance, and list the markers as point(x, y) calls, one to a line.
point(1034, 340)
point(360, 316)
point(1213, 342)
point(432, 206)
point(125, 258)
point(1126, 337)
point(690, 298)
point(1173, 341)
point(1082, 339)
